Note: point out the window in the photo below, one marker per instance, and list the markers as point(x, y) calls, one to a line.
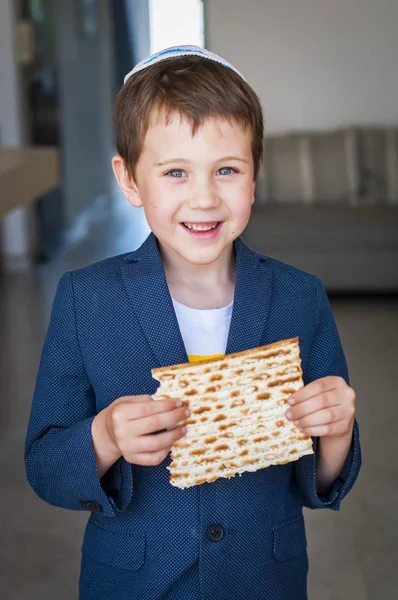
point(174, 22)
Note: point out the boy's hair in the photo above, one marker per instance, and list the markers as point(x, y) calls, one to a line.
point(192, 86)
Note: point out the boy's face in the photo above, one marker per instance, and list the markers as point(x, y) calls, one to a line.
point(196, 191)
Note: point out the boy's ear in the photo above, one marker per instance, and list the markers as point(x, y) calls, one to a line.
point(254, 192)
point(125, 181)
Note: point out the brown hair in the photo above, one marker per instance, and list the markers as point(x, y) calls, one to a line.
point(196, 88)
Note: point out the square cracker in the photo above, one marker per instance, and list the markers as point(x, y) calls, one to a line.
point(238, 406)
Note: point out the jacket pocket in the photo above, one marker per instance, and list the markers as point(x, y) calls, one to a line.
point(125, 550)
point(289, 538)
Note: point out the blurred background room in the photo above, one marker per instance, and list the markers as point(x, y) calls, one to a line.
point(327, 202)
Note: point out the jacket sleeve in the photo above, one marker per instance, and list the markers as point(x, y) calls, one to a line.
point(59, 453)
point(326, 358)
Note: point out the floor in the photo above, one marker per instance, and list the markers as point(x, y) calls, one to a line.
point(353, 554)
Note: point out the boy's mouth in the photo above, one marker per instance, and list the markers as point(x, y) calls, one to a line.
point(210, 226)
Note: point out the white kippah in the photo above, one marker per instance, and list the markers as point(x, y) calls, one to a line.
point(180, 51)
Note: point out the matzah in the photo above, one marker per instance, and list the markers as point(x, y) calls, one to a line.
point(238, 405)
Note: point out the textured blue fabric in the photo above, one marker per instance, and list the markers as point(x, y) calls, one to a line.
point(111, 323)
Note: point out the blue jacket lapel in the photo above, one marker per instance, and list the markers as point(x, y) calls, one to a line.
point(146, 285)
point(252, 299)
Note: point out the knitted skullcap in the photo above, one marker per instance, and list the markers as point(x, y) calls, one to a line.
point(175, 51)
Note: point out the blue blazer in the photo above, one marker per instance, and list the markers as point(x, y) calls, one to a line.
point(241, 538)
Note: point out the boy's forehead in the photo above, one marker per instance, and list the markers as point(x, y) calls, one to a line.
point(176, 125)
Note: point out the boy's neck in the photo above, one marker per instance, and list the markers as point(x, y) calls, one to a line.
point(201, 286)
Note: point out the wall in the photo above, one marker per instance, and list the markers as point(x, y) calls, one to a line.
point(85, 80)
point(139, 28)
point(13, 229)
point(314, 63)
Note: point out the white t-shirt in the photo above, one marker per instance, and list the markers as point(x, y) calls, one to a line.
point(204, 332)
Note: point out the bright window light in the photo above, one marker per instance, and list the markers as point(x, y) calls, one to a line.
point(176, 22)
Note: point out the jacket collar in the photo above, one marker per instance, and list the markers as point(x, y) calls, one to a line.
point(145, 282)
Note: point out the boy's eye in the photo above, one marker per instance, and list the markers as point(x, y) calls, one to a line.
point(177, 173)
point(227, 171)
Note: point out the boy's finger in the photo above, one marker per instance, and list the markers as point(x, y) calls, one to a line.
point(337, 428)
point(159, 421)
point(312, 405)
point(315, 388)
point(140, 410)
point(160, 441)
point(321, 417)
point(149, 459)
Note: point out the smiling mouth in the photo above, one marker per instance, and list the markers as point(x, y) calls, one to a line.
point(201, 226)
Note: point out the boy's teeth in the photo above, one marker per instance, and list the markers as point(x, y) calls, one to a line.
point(200, 227)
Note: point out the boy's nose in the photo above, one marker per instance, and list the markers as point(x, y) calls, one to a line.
point(204, 197)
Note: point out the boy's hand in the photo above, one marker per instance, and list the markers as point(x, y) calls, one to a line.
point(124, 428)
point(131, 419)
point(324, 408)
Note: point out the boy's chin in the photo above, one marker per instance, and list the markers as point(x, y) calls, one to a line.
point(199, 256)
point(207, 256)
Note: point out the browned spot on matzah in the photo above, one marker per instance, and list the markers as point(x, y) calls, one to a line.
point(276, 433)
point(293, 451)
point(275, 383)
point(274, 446)
point(216, 377)
point(280, 423)
point(295, 378)
point(239, 371)
point(197, 452)
point(220, 417)
point(210, 440)
point(263, 396)
point(238, 402)
point(223, 366)
point(242, 442)
point(234, 393)
point(229, 465)
point(211, 460)
point(277, 353)
point(181, 444)
point(190, 422)
point(200, 410)
point(220, 406)
point(261, 438)
point(166, 377)
point(244, 452)
point(204, 419)
point(183, 383)
point(191, 392)
point(221, 447)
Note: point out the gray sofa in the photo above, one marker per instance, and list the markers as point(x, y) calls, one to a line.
point(327, 202)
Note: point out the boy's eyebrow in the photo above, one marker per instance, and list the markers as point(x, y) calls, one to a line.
point(171, 160)
point(184, 160)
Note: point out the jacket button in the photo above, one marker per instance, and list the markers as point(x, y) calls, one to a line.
point(215, 533)
point(92, 505)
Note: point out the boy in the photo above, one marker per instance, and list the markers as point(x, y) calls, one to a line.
point(189, 133)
